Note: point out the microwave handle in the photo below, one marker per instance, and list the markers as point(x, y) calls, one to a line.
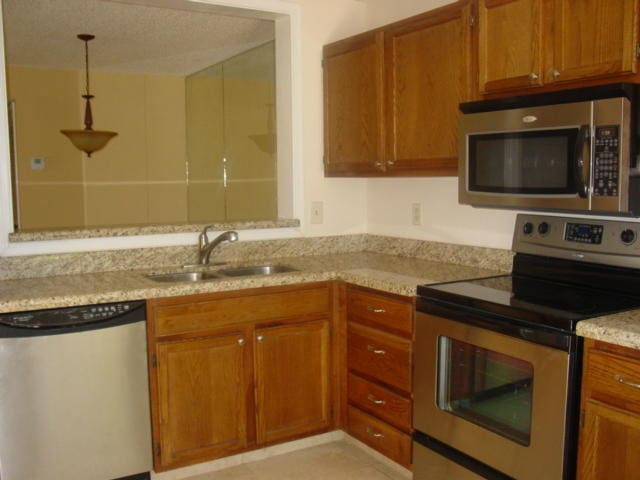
point(584, 138)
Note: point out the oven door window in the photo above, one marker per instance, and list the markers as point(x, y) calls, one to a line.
point(487, 388)
point(531, 162)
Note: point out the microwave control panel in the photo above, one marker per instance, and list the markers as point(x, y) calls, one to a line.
point(607, 155)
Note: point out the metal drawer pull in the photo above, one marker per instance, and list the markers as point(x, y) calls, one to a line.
point(626, 382)
point(373, 399)
point(376, 310)
point(375, 350)
point(241, 341)
point(373, 433)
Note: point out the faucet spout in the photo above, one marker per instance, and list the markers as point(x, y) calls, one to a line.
point(205, 247)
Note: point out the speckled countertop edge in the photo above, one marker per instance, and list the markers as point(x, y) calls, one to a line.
point(620, 329)
point(125, 231)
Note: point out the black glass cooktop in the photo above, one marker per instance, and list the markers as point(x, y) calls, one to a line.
point(551, 304)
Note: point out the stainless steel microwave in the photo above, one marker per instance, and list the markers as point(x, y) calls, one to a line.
point(567, 151)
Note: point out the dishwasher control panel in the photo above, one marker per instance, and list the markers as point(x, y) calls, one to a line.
point(68, 317)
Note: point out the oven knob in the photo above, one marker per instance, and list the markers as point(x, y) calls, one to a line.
point(543, 228)
point(527, 228)
point(628, 236)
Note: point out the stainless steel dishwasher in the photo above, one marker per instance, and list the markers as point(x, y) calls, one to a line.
point(74, 398)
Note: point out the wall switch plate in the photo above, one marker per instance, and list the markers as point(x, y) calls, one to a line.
point(416, 214)
point(317, 215)
point(37, 163)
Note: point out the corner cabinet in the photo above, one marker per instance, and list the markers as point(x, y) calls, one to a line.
point(238, 370)
point(391, 96)
point(610, 413)
point(530, 45)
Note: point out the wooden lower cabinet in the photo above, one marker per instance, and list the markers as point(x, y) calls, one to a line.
point(378, 397)
point(292, 379)
point(610, 413)
point(198, 379)
point(235, 371)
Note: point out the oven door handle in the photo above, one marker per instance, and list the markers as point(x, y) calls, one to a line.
point(583, 139)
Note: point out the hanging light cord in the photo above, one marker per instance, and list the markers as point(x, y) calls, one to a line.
point(86, 63)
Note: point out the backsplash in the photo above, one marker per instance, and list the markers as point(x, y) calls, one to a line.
point(261, 250)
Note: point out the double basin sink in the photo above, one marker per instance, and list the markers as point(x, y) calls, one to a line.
point(247, 271)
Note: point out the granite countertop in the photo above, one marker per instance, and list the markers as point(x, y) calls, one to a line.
point(620, 328)
point(384, 272)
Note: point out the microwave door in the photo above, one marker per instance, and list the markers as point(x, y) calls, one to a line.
point(539, 168)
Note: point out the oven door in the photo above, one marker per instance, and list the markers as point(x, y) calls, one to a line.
point(498, 399)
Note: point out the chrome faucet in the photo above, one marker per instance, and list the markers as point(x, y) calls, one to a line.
point(206, 246)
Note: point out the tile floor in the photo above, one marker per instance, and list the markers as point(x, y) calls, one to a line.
point(339, 460)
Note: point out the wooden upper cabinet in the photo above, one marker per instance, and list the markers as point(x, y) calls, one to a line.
point(353, 70)
point(593, 38)
point(510, 40)
point(292, 380)
point(196, 380)
point(428, 73)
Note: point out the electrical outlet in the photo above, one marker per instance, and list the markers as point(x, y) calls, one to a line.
point(416, 214)
point(317, 216)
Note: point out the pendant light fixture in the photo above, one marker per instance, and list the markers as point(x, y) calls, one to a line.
point(88, 140)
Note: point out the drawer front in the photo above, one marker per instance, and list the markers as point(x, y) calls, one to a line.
point(379, 356)
point(237, 308)
point(613, 380)
point(380, 436)
point(378, 401)
point(380, 311)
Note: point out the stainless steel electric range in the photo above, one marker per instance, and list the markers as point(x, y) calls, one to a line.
point(497, 361)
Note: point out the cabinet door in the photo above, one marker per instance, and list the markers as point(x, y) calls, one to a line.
point(609, 443)
point(509, 44)
point(428, 73)
point(202, 387)
point(353, 106)
point(292, 379)
point(593, 38)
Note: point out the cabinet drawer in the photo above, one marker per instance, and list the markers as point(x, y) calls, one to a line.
point(380, 311)
point(380, 436)
point(379, 356)
point(614, 380)
point(201, 315)
point(379, 401)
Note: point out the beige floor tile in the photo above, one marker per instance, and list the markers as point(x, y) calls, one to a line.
point(332, 461)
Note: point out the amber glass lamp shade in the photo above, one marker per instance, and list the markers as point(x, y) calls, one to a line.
point(89, 141)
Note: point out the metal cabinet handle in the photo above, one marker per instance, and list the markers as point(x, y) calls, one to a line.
point(555, 73)
point(533, 76)
point(375, 350)
point(376, 310)
point(259, 338)
point(373, 433)
point(241, 341)
point(620, 379)
point(373, 399)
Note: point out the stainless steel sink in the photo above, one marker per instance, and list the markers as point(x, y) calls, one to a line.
point(182, 276)
point(255, 270)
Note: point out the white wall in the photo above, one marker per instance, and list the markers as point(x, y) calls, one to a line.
point(344, 200)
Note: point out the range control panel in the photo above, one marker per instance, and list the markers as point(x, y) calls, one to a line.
point(609, 242)
point(607, 161)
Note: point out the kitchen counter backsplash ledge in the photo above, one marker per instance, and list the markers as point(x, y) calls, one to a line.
point(37, 266)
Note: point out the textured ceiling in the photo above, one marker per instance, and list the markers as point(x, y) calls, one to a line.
point(129, 38)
